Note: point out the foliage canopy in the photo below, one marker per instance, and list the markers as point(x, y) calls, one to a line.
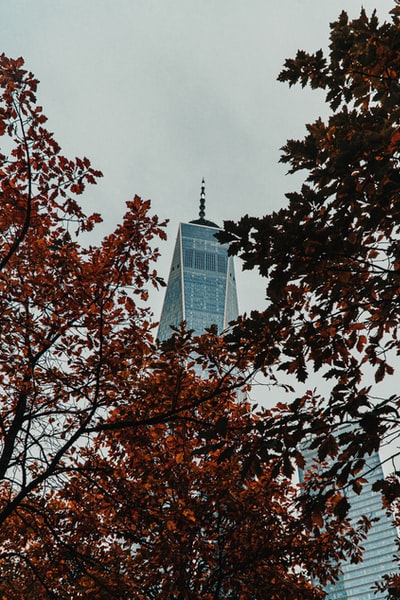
point(331, 256)
point(123, 474)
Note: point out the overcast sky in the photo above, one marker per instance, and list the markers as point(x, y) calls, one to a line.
point(160, 93)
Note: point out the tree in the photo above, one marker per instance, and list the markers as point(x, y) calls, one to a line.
point(172, 507)
point(69, 324)
point(177, 509)
point(331, 256)
point(123, 474)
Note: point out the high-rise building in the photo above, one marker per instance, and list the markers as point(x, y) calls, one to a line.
point(357, 580)
point(201, 286)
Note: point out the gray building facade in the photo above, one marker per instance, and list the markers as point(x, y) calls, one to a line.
point(356, 582)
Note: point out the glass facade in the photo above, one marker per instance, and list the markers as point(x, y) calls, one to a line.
point(201, 286)
point(357, 580)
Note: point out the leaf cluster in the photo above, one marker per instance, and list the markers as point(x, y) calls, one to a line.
point(123, 473)
point(331, 255)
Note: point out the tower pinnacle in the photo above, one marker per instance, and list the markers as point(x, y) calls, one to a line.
point(202, 212)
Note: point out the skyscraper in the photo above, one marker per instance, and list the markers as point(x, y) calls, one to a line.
point(201, 286)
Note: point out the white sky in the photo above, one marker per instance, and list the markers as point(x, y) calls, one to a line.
point(159, 93)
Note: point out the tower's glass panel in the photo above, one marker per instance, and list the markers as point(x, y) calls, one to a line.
point(172, 312)
point(231, 310)
point(203, 283)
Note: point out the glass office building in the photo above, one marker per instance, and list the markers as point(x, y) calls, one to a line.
point(357, 580)
point(201, 286)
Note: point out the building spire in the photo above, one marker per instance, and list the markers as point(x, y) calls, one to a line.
point(202, 212)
